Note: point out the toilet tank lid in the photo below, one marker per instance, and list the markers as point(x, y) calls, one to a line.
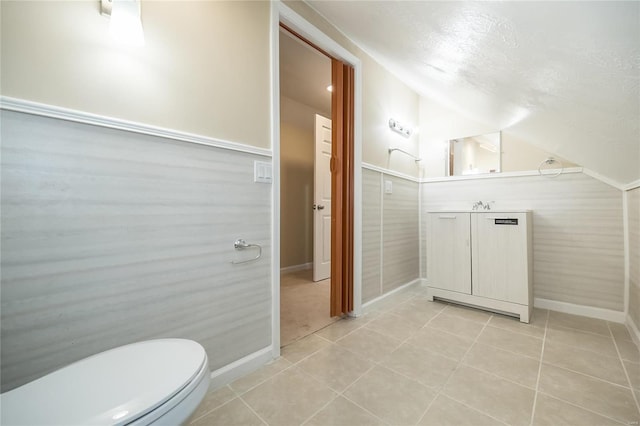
point(113, 387)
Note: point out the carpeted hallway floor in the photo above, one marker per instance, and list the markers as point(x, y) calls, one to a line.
point(304, 306)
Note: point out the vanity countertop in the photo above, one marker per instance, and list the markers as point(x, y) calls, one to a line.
point(501, 211)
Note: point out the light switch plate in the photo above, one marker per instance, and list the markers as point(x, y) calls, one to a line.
point(262, 172)
point(388, 187)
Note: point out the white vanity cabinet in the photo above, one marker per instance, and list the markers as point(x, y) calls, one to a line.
point(482, 259)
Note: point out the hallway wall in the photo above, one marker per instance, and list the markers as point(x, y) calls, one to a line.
point(297, 151)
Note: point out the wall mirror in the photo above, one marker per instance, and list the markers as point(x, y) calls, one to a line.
point(474, 155)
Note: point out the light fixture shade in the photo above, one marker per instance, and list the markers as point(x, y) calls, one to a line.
point(126, 26)
point(398, 127)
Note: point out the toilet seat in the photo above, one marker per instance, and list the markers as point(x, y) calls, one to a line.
point(138, 383)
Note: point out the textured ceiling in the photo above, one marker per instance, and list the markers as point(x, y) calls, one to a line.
point(564, 76)
point(305, 73)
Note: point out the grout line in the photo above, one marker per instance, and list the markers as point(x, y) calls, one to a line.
point(206, 413)
point(342, 394)
point(379, 364)
point(456, 369)
point(535, 395)
point(590, 376)
point(626, 373)
point(474, 409)
point(337, 395)
point(573, 404)
point(591, 333)
point(253, 411)
point(238, 393)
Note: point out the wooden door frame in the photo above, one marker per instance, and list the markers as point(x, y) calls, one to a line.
point(284, 14)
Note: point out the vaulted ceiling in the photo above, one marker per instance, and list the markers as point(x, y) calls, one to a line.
point(564, 76)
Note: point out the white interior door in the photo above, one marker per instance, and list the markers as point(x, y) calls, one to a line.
point(322, 201)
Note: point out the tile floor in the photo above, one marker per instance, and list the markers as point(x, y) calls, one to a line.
point(408, 361)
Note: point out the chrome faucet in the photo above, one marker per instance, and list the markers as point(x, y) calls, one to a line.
point(484, 206)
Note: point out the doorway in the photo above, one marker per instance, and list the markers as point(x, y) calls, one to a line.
point(305, 188)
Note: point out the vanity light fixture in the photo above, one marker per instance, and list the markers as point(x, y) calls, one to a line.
point(398, 127)
point(125, 25)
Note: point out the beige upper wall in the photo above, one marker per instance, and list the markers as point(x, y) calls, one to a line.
point(438, 124)
point(204, 68)
point(383, 97)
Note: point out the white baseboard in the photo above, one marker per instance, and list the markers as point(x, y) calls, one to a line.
point(587, 311)
point(296, 268)
point(403, 287)
point(633, 330)
point(230, 372)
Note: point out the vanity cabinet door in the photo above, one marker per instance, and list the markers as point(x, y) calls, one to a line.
point(500, 257)
point(449, 251)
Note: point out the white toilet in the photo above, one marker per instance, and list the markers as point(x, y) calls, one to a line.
point(159, 382)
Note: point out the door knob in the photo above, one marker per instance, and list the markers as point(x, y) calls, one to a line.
point(320, 207)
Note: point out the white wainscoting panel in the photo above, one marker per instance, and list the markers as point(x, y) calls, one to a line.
point(400, 234)
point(578, 237)
point(633, 206)
point(371, 235)
point(111, 237)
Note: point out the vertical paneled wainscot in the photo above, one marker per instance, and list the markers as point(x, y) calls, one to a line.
point(111, 237)
point(390, 233)
point(482, 259)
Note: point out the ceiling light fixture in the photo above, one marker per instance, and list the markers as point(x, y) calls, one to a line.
point(398, 127)
point(125, 25)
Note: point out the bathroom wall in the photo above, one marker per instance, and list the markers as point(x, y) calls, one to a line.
point(578, 237)
point(297, 152)
point(110, 237)
point(390, 234)
point(633, 212)
point(205, 67)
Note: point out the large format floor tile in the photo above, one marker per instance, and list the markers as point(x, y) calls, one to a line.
point(589, 325)
point(428, 368)
point(553, 412)
point(288, 398)
point(251, 380)
point(441, 342)
point(392, 397)
point(499, 398)
point(213, 400)
point(393, 325)
point(508, 365)
point(234, 413)
point(342, 412)
point(514, 324)
point(444, 411)
point(336, 367)
point(369, 344)
point(301, 349)
point(410, 361)
point(514, 342)
point(454, 324)
point(588, 341)
point(604, 398)
point(586, 362)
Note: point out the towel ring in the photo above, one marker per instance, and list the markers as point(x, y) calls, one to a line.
point(550, 160)
point(241, 244)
